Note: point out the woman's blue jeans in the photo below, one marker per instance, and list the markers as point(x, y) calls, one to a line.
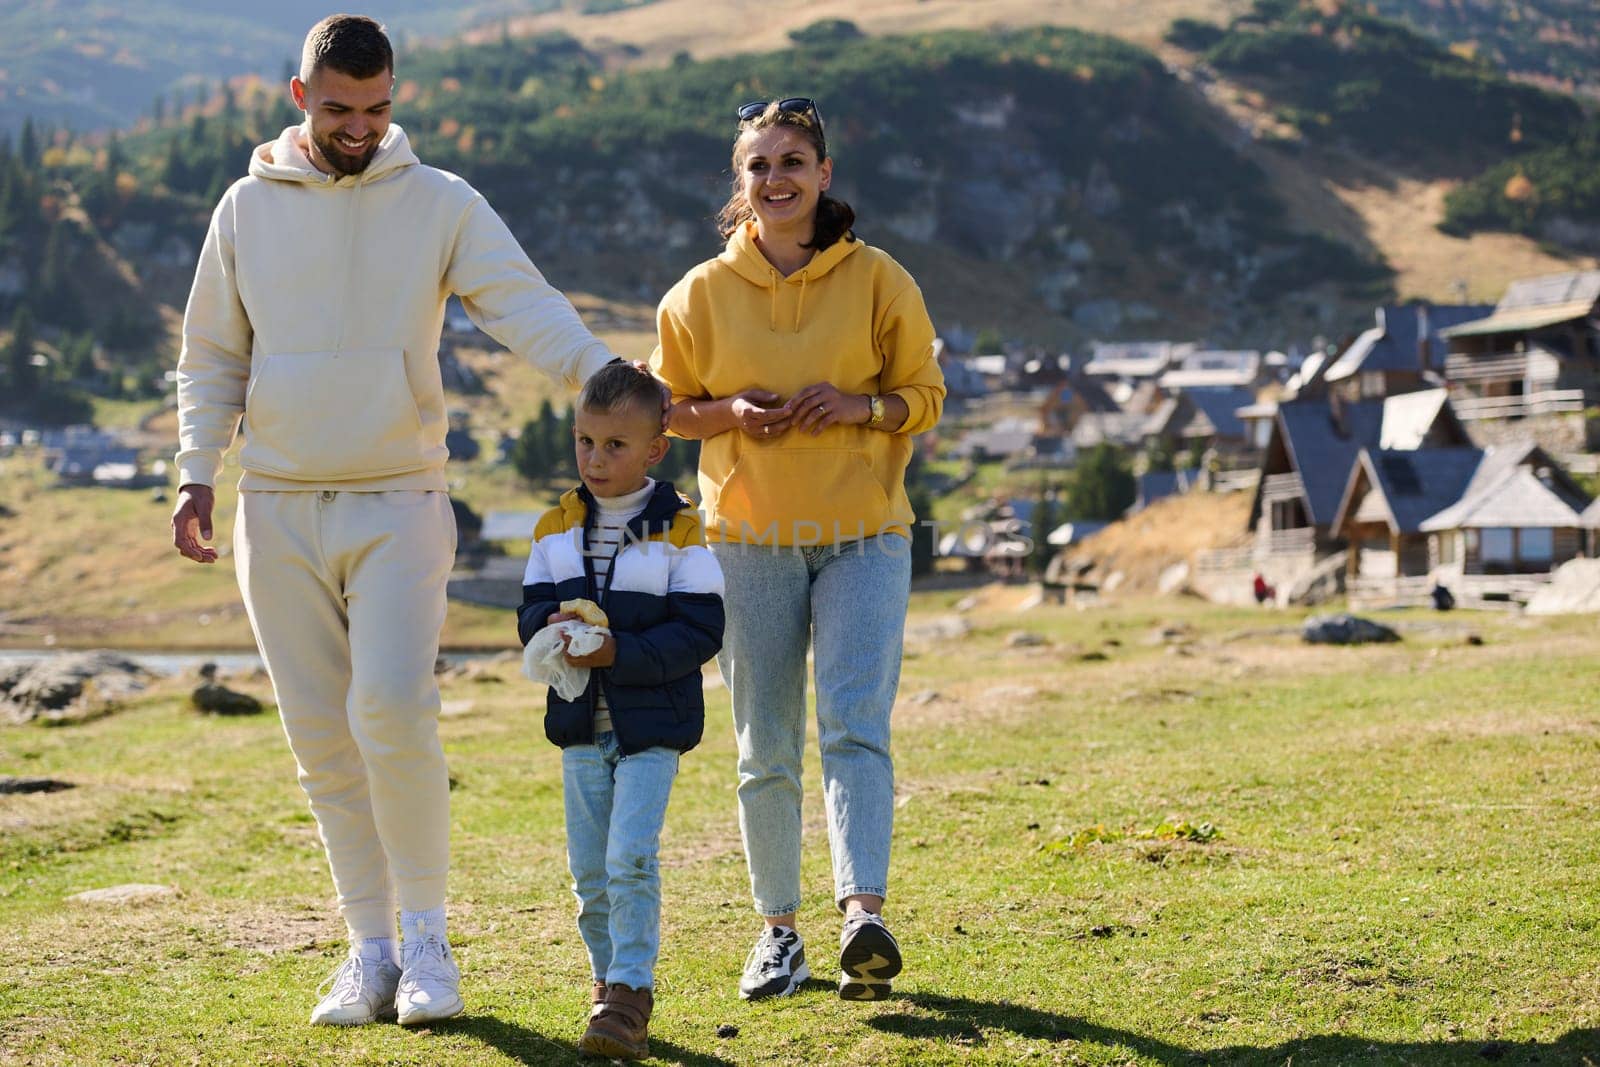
point(848, 601)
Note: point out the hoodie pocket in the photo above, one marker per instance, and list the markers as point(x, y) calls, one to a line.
point(802, 496)
point(340, 416)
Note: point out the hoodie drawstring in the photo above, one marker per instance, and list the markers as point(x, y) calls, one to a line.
point(772, 290)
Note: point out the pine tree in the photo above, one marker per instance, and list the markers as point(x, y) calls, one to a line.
point(175, 171)
point(548, 433)
point(1043, 522)
point(563, 461)
point(526, 458)
point(53, 291)
point(1102, 486)
point(22, 374)
point(28, 146)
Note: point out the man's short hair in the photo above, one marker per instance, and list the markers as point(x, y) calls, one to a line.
point(618, 386)
point(353, 45)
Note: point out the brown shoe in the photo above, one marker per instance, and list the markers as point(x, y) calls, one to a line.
point(597, 997)
point(619, 1028)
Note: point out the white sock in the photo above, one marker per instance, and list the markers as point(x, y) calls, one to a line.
point(374, 949)
point(420, 924)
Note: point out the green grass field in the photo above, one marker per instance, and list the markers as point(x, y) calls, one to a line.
point(1401, 866)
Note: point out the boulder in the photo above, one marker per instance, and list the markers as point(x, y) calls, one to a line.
point(62, 686)
point(9, 784)
point(214, 699)
point(1345, 630)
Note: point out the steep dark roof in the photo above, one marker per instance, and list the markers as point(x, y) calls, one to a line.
point(1323, 452)
point(1391, 345)
point(1417, 484)
point(1507, 490)
point(1221, 408)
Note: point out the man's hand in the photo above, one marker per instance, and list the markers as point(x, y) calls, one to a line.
point(666, 394)
point(191, 523)
point(604, 656)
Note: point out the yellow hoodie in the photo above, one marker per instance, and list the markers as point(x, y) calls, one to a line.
point(852, 317)
point(315, 319)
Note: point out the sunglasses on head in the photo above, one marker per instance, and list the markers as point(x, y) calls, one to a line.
point(798, 105)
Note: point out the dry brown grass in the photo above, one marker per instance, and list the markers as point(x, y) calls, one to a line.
point(1169, 531)
point(705, 28)
point(1401, 217)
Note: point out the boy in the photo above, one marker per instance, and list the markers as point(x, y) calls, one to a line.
point(634, 547)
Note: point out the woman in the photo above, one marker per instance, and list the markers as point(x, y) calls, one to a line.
point(803, 359)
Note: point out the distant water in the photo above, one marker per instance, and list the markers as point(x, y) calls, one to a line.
point(188, 662)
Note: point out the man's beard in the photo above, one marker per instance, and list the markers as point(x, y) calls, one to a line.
point(342, 161)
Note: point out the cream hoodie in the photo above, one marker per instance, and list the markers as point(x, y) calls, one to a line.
point(315, 318)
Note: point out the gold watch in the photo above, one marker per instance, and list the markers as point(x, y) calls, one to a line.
point(878, 410)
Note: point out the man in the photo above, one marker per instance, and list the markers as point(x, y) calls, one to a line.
point(315, 318)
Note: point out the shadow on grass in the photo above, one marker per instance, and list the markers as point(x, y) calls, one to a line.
point(957, 1021)
point(535, 1049)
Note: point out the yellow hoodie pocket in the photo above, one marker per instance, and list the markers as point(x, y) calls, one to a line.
point(334, 416)
point(801, 496)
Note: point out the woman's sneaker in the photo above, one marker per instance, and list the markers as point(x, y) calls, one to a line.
point(776, 965)
point(359, 992)
point(868, 957)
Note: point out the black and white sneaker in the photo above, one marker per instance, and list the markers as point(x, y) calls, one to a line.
point(868, 957)
point(776, 965)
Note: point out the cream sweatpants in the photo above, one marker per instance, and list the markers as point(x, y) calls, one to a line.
point(346, 595)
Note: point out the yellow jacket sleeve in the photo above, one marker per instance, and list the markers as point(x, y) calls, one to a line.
point(910, 371)
point(673, 358)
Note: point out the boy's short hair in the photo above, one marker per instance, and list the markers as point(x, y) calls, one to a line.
point(618, 386)
point(353, 45)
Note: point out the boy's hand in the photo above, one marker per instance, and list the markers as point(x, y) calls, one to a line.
point(604, 656)
point(560, 616)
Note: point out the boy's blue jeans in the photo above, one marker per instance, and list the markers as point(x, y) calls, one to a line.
point(848, 601)
point(615, 806)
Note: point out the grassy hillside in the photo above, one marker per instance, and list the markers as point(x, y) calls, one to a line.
point(1263, 184)
point(1398, 867)
point(1550, 42)
point(1048, 200)
point(1552, 194)
point(1381, 138)
point(94, 64)
point(1339, 76)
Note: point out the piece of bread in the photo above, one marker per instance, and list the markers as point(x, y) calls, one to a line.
point(587, 610)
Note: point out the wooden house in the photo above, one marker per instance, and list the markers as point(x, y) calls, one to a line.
point(1536, 354)
point(1402, 352)
point(1313, 448)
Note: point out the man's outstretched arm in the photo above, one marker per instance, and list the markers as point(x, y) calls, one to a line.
point(213, 372)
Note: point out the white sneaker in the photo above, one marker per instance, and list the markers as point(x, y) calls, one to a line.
point(776, 966)
point(362, 992)
point(430, 982)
